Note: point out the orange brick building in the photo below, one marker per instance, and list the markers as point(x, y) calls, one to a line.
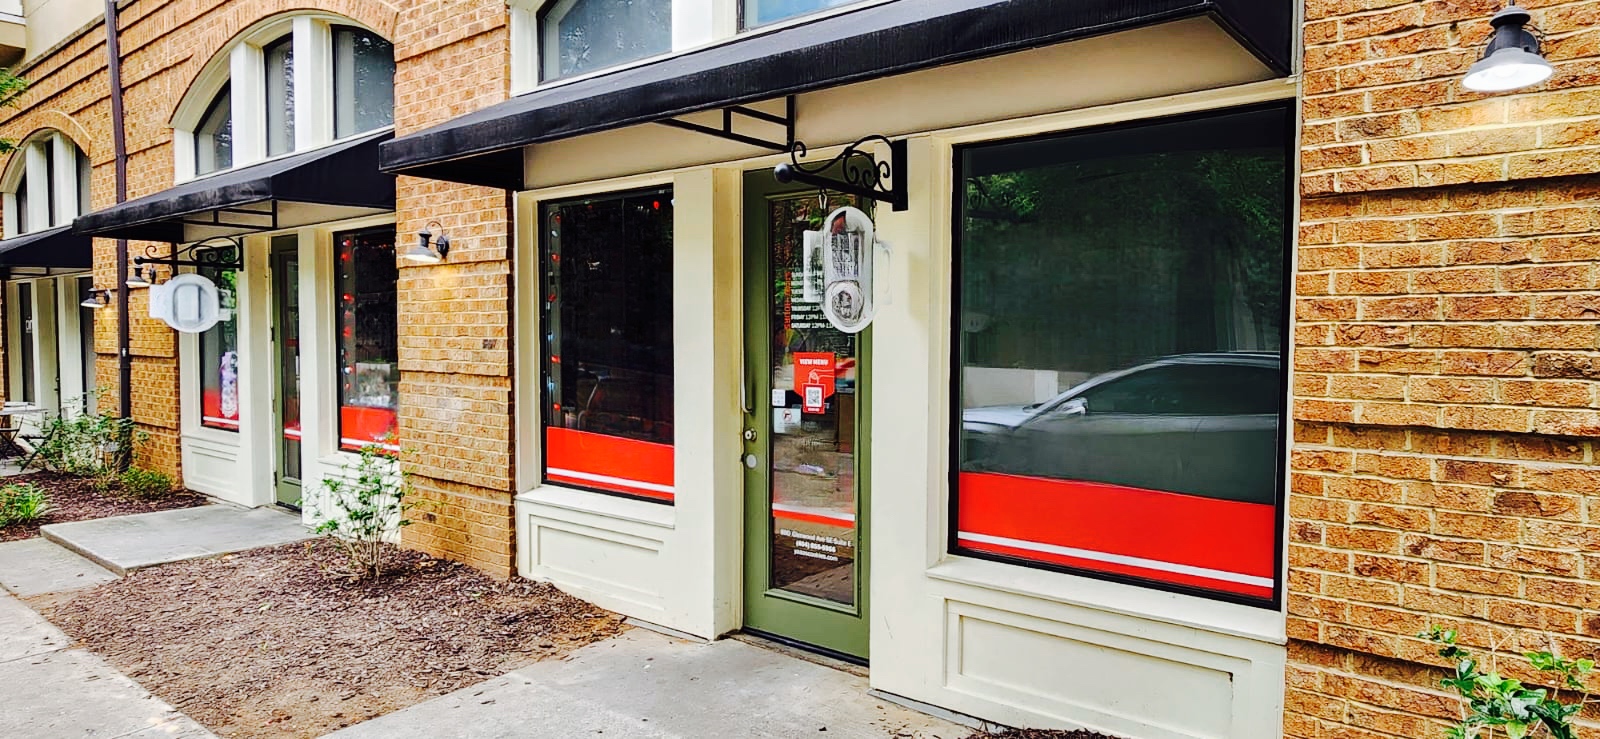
point(1423, 454)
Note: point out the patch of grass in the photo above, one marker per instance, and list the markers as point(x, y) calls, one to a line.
point(22, 503)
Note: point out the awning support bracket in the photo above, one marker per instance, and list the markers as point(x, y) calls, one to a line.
point(860, 178)
point(217, 252)
point(726, 131)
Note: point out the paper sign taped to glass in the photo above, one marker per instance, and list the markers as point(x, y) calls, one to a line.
point(189, 303)
point(844, 250)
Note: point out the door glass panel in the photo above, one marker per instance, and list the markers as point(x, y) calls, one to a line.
point(813, 393)
point(86, 339)
point(288, 292)
point(25, 318)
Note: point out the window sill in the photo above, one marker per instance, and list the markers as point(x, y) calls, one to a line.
point(599, 504)
point(212, 436)
point(1230, 619)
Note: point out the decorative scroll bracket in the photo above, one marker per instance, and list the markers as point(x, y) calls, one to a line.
point(859, 179)
point(229, 254)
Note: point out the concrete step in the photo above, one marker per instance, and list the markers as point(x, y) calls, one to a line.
point(123, 544)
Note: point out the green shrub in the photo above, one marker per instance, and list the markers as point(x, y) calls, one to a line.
point(86, 444)
point(364, 503)
point(22, 503)
point(142, 483)
point(1494, 706)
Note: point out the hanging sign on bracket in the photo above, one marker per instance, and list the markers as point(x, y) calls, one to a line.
point(848, 249)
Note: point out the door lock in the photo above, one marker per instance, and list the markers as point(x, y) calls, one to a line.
point(749, 434)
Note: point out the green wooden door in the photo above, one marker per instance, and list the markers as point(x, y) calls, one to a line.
point(286, 347)
point(805, 497)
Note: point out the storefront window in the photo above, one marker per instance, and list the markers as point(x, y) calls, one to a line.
point(213, 139)
point(279, 57)
point(219, 356)
point(762, 12)
point(581, 36)
point(1120, 315)
point(607, 318)
point(369, 370)
point(363, 82)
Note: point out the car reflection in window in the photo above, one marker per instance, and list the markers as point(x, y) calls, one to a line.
point(1201, 424)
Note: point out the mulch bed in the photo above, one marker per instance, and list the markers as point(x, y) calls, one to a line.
point(75, 499)
point(1042, 734)
point(269, 643)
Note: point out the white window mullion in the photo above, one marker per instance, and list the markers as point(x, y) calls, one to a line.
point(313, 95)
point(11, 215)
point(64, 157)
point(524, 48)
point(698, 22)
point(249, 94)
point(38, 185)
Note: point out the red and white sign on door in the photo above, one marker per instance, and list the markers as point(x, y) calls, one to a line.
point(813, 379)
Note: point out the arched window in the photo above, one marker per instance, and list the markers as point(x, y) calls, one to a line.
point(46, 184)
point(290, 84)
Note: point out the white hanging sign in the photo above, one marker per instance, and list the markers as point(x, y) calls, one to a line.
point(189, 303)
point(847, 248)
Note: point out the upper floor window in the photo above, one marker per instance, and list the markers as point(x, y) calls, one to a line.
point(579, 36)
point(213, 138)
point(363, 81)
point(292, 84)
point(279, 57)
point(762, 12)
point(46, 185)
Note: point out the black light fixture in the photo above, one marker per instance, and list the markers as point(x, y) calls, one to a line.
point(423, 253)
point(1512, 60)
point(97, 299)
point(138, 278)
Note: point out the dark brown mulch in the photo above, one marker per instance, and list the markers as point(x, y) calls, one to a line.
point(1042, 734)
point(267, 643)
point(75, 499)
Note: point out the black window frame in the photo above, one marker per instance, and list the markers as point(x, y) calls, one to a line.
point(954, 361)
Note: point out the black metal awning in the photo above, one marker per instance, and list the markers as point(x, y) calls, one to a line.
point(484, 147)
point(56, 247)
point(326, 184)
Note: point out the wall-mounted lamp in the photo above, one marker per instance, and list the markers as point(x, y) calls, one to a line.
point(1512, 59)
point(145, 277)
point(97, 299)
point(423, 253)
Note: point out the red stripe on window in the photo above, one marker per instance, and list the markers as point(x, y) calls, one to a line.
point(1165, 531)
point(609, 463)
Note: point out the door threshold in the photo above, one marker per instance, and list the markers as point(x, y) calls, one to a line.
point(802, 651)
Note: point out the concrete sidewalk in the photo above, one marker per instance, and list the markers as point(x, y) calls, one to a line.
point(54, 691)
point(644, 684)
point(123, 544)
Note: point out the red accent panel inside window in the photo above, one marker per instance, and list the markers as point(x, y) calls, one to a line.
point(1221, 545)
point(211, 412)
point(362, 425)
point(609, 463)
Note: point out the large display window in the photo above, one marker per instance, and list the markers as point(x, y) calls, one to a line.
point(1119, 327)
point(369, 348)
point(607, 324)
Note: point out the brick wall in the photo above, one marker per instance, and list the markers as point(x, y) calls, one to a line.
point(1443, 470)
point(453, 57)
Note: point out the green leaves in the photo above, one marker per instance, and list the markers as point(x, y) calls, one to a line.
point(22, 503)
point(1495, 702)
point(362, 505)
